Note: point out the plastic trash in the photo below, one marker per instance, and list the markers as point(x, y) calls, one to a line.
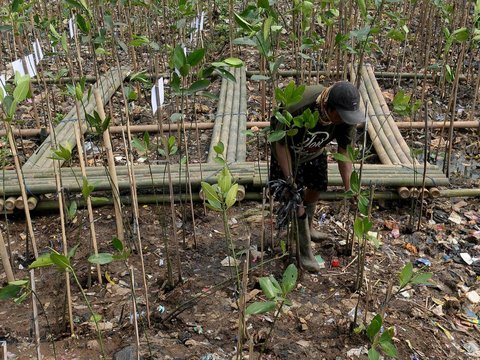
point(423, 262)
point(335, 263)
point(161, 309)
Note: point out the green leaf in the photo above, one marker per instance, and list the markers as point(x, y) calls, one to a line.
point(10, 291)
point(72, 251)
point(83, 24)
point(198, 85)
point(87, 188)
point(95, 317)
point(460, 35)
point(61, 261)
point(358, 228)
point(276, 135)
point(363, 8)
point(224, 180)
point(268, 288)
point(219, 148)
point(42, 261)
point(235, 62)
point(265, 4)
point(195, 57)
point(179, 59)
point(245, 25)
point(231, 196)
point(389, 348)
point(117, 244)
point(341, 157)
point(72, 210)
point(374, 327)
point(406, 275)
point(21, 90)
point(355, 182)
point(210, 193)
point(421, 279)
point(260, 307)
point(373, 354)
point(289, 279)
point(101, 258)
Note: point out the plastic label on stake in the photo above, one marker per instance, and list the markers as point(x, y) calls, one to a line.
point(3, 350)
point(37, 49)
point(71, 27)
point(2, 85)
point(202, 16)
point(17, 65)
point(31, 68)
point(158, 96)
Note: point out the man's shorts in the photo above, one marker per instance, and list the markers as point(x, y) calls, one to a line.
point(312, 174)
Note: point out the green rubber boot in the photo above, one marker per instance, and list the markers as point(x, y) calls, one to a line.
point(307, 260)
point(315, 235)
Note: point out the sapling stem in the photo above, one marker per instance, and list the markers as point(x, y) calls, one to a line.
point(94, 316)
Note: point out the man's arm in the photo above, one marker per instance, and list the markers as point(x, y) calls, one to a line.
point(345, 169)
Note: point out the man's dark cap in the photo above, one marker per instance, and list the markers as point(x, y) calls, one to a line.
point(344, 98)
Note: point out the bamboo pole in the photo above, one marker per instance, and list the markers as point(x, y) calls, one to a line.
point(32, 202)
point(379, 133)
point(26, 133)
point(10, 203)
point(111, 169)
point(23, 191)
point(382, 110)
point(403, 192)
point(7, 267)
point(2, 204)
point(232, 130)
point(241, 154)
point(217, 129)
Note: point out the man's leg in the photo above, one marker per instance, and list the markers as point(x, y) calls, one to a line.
point(310, 203)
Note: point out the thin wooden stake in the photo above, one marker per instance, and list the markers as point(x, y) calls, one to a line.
point(6, 260)
point(134, 311)
point(35, 315)
point(23, 191)
point(111, 167)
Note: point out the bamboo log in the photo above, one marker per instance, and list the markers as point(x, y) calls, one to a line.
point(385, 120)
point(242, 125)
point(10, 203)
point(232, 131)
point(375, 130)
point(49, 205)
point(227, 115)
point(26, 133)
point(377, 144)
point(383, 109)
point(434, 192)
point(7, 267)
point(32, 202)
point(414, 192)
point(64, 131)
point(217, 129)
point(403, 192)
point(19, 203)
point(2, 204)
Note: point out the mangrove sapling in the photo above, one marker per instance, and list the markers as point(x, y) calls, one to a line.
point(18, 291)
point(277, 296)
point(9, 104)
point(382, 341)
point(63, 264)
point(221, 197)
point(121, 254)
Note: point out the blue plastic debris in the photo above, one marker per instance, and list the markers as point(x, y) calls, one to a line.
point(161, 309)
point(423, 262)
point(208, 357)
